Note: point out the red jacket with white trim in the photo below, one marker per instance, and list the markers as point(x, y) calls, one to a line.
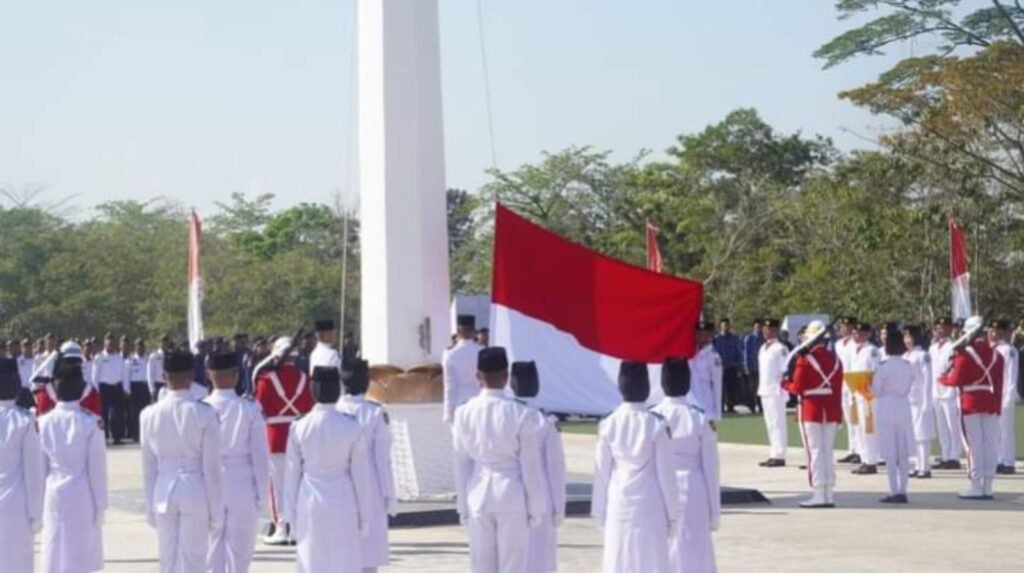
point(818, 380)
point(46, 400)
point(978, 373)
point(284, 394)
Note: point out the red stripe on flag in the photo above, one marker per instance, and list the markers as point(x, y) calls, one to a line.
point(654, 260)
point(957, 249)
point(609, 306)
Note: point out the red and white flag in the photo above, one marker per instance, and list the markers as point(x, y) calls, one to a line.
point(959, 276)
point(195, 282)
point(654, 262)
point(578, 314)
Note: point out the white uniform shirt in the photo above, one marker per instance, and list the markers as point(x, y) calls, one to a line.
point(771, 363)
point(155, 370)
point(497, 457)
point(136, 367)
point(25, 367)
point(244, 453)
point(694, 447)
point(325, 356)
point(706, 390)
point(374, 421)
point(21, 465)
point(1011, 365)
point(921, 390)
point(109, 369)
point(939, 353)
point(865, 357)
point(634, 475)
point(843, 351)
point(181, 463)
point(460, 383)
point(195, 392)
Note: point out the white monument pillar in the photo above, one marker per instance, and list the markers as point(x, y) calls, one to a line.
point(404, 235)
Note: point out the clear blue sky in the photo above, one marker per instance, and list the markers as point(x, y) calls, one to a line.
point(115, 99)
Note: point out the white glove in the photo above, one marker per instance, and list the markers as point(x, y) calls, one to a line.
point(98, 520)
point(392, 505)
point(715, 523)
point(534, 521)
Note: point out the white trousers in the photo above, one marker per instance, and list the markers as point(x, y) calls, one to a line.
point(853, 445)
point(16, 543)
point(1007, 436)
point(819, 441)
point(947, 422)
point(498, 542)
point(775, 423)
point(277, 465)
point(232, 546)
point(184, 541)
point(868, 441)
point(924, 447)
point(981, 435)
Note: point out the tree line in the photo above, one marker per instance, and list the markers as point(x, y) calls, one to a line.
point(771, 222)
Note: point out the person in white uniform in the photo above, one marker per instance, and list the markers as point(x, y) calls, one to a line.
point(921, 403)
point(842, 349)
point(324, 353)
point(75, 465)
point(946, 403)
point(635, 496)
point(21, 475)
point(706, 370)
point(499, 486)
point(771, 362)
point(459, 364)
point(181, 467)
point(245, 462)
point(155, 367)
point(891, 386)
point(694, 448)
point(999, 336)
point(373, 418)
point(864, 359)
point(327, 483)
point(543, 546)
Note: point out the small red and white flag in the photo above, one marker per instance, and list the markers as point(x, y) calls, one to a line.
point(654, 261)
point(195, 281)
point(960, 285)
point(579, 313)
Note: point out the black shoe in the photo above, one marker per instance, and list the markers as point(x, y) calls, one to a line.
point(850, 459)
point(898, 498)
point(939, 465)
point(118, 442)
point(923, 475)
point(773, 463)
point(952, 465)
point(865, 469)
point(1006, 470)
point(881, 464)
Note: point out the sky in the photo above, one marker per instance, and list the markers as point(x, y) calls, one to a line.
point(191, 99)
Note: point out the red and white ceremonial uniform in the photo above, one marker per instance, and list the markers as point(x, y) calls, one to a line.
point(818, 380)
point(978, 373)
point(284, 394)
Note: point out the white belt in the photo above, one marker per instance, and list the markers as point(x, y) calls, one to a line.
point(281, 419)
point(180, 465)
point(507, 469)
point(827, 391)
point(979, 388)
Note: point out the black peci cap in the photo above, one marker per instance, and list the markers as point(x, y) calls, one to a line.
point(634, 381)
point(324, 325)
point(492, 359)
point(326, 374)
point(772, 323)
point(466, 321)
point(222, 361)
point(179, 360)
point(525, 380)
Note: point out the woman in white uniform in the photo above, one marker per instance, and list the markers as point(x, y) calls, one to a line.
point(921, 408)
point(635, 499)
point(891, 388)
point(695, 451)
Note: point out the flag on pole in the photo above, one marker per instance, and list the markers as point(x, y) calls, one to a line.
point(960, 278)
point(578, 314)
point(654, 262)
point(195, 282)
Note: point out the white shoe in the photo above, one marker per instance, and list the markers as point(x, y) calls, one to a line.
point(976, 491)
point(986, 487)
point(280, 536)
point(830, 496)
point(818, 499)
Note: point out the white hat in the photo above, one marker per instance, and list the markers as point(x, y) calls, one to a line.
point(974, 324)
point(281, 345)
point(71, 350)
point(814, 328)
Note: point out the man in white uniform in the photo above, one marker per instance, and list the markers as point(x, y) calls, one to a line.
point(947, 404)
point(75, 459)
point(327, 483)
point(500, 489)
point(324, 354)
point(155, 367)
point(21, 475)
point(181, 466)
point(245, 460)
point(864, 360)
point(110, 374)
point(706, 368)
point(843, 347)
point(459, 362)
point(921, 403)
point(771, 362)
point(543, 556)
point(999, 336)
point(355, 379)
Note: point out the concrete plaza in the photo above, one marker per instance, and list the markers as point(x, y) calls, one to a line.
point(936, 532)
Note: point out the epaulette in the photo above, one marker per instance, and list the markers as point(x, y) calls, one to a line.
point(521, 402)
point(353, 416)
point(696, 408)
point(655, 414)
point(374, 403)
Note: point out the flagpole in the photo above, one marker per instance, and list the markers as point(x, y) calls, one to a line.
point(344, 264)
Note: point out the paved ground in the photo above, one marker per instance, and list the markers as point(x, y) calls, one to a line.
point(936, 533)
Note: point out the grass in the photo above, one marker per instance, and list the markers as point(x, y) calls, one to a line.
point(746, 429)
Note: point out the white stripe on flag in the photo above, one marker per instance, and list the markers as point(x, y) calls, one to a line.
point(960, 288)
